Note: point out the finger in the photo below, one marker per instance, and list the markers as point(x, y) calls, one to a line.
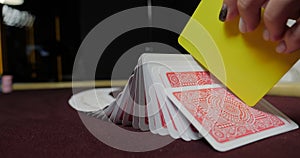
point(250, 12)
point(277, 13)
point(229, 10)
point(291, 40)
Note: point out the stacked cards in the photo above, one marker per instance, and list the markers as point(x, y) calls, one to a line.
point(171, 94)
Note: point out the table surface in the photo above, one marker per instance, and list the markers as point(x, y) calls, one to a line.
point(40, 123)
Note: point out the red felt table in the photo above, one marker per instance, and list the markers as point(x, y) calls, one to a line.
point(40, 123)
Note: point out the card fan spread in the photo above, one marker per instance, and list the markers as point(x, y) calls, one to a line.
point(171, 94)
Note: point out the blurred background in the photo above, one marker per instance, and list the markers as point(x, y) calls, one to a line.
point(40, 38)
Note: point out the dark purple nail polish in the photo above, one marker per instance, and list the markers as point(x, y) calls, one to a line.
point(223, 13)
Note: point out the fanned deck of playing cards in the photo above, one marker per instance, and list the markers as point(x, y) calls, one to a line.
point(171, 94)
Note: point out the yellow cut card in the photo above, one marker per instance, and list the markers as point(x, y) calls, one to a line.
point(245, 63)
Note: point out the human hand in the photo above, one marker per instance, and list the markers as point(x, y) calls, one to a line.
point(275, 16)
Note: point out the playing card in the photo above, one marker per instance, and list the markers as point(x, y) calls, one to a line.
point(141, 99)
point(173, 76)
point(181, 124)
point(133, 96)
point(177, 124)
point(151, 114)
point(109, 110)
point(224, 120)
point(168, 117)
point(156, 119)
point(127, 116)
point(120, 103)
point(92, 99)
point(176, 117)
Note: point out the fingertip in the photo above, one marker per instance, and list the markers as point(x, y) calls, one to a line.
point(229, 10)
point(242, 26)
point(281, 47)
point(266, 35)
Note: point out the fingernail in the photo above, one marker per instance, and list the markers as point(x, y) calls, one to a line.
point(223, 13)
point(242, 26)
point(266, 35)
point(281, 47)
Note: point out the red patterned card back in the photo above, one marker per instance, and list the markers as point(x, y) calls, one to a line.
point(223, 115)
point(191, 78)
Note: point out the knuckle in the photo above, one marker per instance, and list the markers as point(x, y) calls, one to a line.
point(273, 25)
point(245, 4)
point(269, 17)
point(294, 37)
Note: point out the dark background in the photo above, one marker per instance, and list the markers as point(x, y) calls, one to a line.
point(77, 18)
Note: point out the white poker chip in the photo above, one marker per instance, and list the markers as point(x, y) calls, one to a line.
point(92, 100)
